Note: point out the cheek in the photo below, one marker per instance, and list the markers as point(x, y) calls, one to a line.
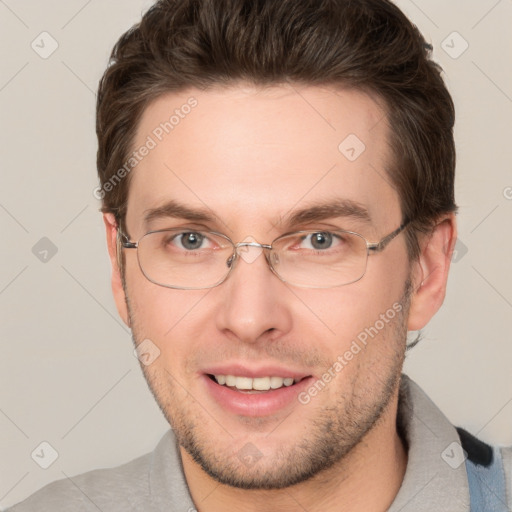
point(350, 318)
point(171, 319)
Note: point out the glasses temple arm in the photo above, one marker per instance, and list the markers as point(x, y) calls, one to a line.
point(379, 246)
point(124, 240)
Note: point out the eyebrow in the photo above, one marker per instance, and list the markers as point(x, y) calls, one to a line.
point(314, 212)
point(173, 209)
point(333, 209)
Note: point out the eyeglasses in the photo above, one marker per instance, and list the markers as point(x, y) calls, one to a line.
point(189, 259)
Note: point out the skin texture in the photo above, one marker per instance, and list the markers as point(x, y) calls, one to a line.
point(251, 157)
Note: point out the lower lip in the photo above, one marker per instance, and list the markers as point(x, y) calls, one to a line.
point(255, 404)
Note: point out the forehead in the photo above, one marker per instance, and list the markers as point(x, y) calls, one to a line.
point(252, 155)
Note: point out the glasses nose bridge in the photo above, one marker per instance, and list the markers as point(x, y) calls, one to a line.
point(251, 244)
point(239, 253)
point(239, 250)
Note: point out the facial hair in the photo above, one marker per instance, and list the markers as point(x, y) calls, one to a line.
point(333, 434)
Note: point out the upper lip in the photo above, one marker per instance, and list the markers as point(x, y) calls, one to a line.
point(240, 370)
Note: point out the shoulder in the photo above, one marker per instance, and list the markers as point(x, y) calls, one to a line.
point(506, 455)
point(119, 488)
point(489, 470)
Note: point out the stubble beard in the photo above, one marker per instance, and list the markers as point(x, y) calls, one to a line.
point(332, 435)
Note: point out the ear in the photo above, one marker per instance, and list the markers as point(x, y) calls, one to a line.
point(430, 273)
point(115, 257)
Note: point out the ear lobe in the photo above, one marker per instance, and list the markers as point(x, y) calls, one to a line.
point(430, 273)
point(115, 259)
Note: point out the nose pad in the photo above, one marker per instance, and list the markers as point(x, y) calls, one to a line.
point(274, 259)
point(230, 261)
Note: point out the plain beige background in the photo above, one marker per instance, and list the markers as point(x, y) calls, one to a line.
point(68, 374)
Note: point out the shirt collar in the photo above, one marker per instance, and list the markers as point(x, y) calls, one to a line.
point(435, 477)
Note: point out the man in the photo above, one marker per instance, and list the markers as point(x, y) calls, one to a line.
point(277, 184)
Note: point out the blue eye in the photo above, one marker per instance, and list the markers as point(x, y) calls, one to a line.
point(320, 240)
point(190, 241)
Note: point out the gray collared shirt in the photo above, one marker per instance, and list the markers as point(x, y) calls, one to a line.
point(435, 480)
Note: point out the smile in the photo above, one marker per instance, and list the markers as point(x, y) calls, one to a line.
point(255, 396)
point(254, 384)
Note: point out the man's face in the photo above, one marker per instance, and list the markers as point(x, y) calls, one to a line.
point(251, 159)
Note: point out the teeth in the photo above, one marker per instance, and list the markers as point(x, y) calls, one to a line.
point(276, 382)
point(243, 383)
point(261, 383)
point(258, 384)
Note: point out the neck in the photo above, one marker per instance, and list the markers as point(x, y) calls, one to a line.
point(367, 479)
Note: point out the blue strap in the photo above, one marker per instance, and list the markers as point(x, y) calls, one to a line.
point(487, 486)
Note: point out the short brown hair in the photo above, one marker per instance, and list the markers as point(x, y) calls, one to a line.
point(363, 44)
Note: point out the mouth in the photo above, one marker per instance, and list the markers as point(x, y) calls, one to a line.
point(255, 385)
point(256, 395)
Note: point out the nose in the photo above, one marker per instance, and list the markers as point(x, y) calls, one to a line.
point(253, 301)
